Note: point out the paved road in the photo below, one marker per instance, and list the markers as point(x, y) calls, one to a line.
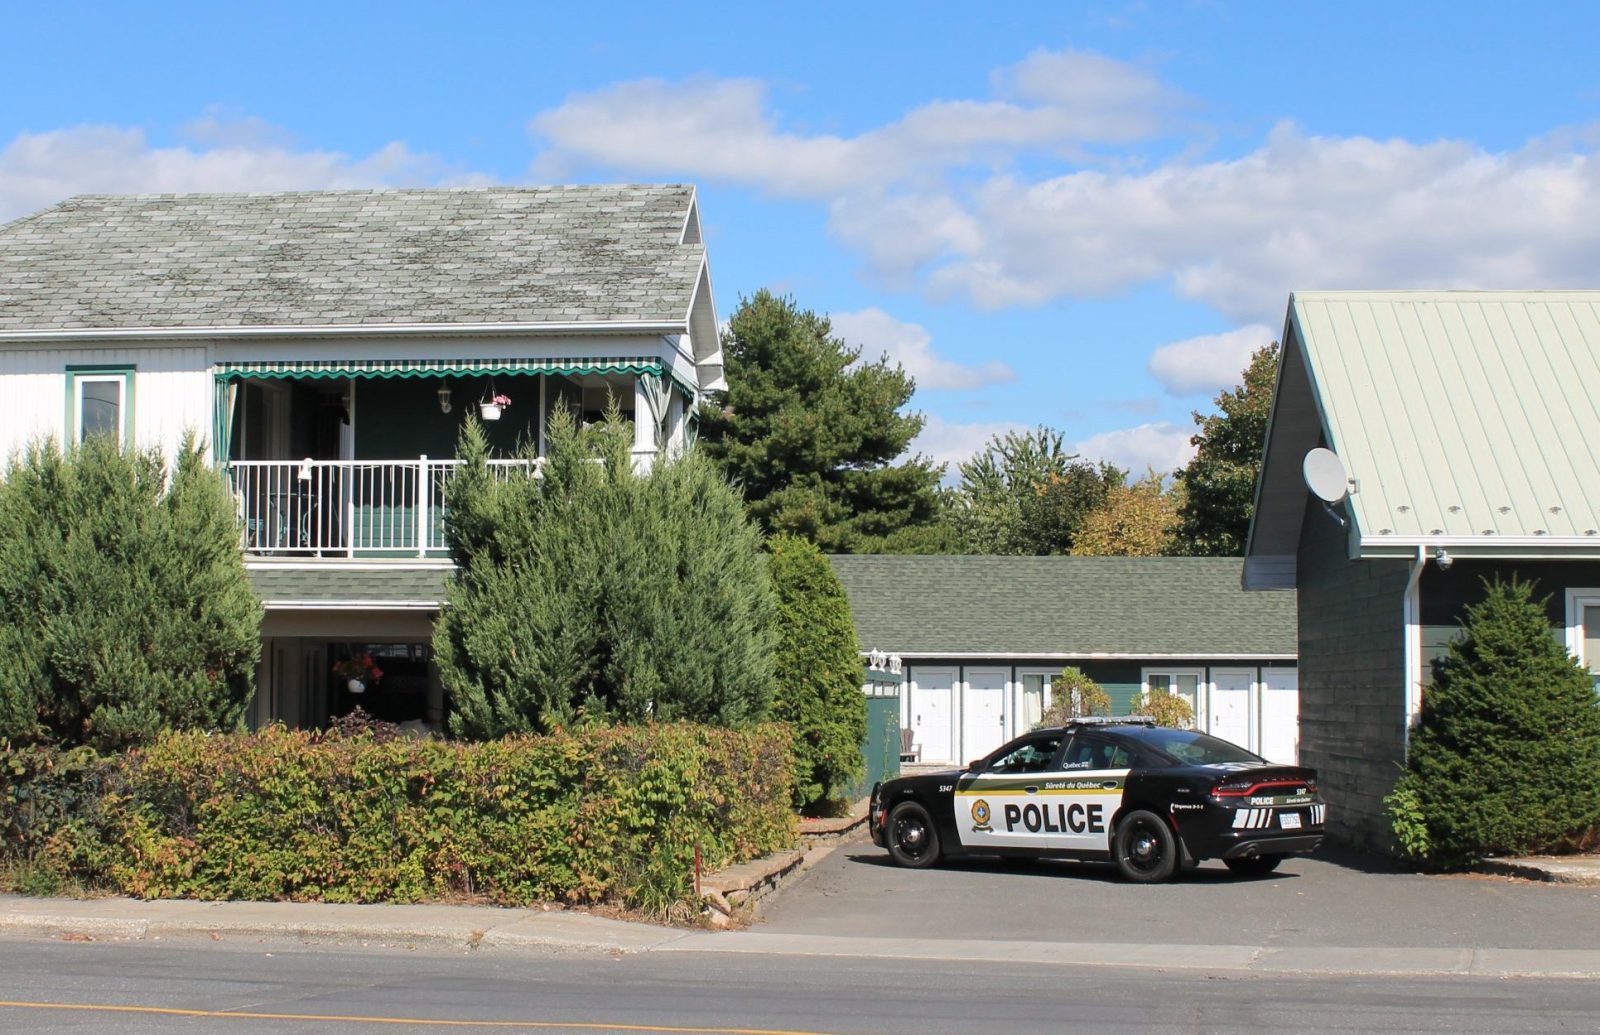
point(1330, 899)
point(145, 988)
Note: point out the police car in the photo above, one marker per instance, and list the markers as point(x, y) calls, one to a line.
point(1124, 790)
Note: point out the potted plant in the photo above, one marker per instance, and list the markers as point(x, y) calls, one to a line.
point(358, 672)
point(490, 407)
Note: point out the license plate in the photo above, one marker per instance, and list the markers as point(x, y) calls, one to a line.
point(1289, 821)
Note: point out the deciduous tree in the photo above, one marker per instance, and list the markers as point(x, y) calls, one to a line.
point(1219, 484)
point(1135, 520)
point(1025, 494)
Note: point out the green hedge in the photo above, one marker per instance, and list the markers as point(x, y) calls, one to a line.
point(604, 815)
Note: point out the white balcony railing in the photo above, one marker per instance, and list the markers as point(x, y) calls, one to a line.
point(346, 508)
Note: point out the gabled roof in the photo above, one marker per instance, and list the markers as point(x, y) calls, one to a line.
point(606, 256)
point(1063, 607)
point(1466, 420)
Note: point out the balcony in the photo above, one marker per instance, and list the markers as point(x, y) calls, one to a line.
point(347, 508)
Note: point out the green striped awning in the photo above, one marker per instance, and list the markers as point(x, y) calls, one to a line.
point(437, 367)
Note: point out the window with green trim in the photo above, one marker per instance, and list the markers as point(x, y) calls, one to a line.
point(100, 402)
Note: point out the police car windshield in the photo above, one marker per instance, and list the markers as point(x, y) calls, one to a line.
point(1188, 747)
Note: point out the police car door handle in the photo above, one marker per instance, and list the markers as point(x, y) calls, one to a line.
point(1032, 789)
point(1109, 785)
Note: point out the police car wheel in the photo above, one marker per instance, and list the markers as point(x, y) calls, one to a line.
point(1253, 866)
point(911, 837)
point(1146, 850)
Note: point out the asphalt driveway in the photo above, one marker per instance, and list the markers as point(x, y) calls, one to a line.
point(1333, 898)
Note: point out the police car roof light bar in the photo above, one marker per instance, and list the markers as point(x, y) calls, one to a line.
point(1113, 720)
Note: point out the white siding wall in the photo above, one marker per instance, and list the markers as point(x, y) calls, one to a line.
point(172, 392)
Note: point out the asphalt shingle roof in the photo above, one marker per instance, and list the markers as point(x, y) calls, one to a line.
point(331, 585)
point(1173, 606)
point(351, 258)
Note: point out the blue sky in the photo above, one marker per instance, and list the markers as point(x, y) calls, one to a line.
point(1081, 215)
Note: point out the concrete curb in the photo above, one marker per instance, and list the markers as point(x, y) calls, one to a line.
point(736, 890)
point(479, 928)
point(1574, 869)
point(1327, 960)
point(454, 927)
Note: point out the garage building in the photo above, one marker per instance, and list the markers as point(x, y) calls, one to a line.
point(979, 639)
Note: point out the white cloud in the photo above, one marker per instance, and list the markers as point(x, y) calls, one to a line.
point(909, 345)
point(1208, 363)
point(706, 127)
point(950, 443)
point(1049, 188)
point(1300, 211)
point(40, 169)
point(1163, 446)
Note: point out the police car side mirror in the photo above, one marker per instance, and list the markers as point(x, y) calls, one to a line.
point(975, 766)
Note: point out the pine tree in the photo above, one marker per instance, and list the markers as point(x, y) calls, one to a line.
point(818, 672)
point(593, 592)
point(1506, 759)
point(124, 604)
point(810, 434)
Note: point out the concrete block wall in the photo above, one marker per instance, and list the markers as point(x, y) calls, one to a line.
point(1352, 679)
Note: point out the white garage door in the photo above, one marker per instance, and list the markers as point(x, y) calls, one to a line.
point(929, 710)
point(1229, 714)
point(1280, 715)
point(983, 712)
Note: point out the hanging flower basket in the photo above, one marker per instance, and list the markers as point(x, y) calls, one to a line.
point(357, 672)
point(489, 409)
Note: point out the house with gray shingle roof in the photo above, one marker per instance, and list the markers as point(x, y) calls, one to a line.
point(979, 639)
point(1463, 423)
point(328, 345)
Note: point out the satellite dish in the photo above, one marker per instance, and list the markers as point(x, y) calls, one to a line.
point(1325, 475)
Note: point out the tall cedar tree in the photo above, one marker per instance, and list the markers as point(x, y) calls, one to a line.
point(818, 685)
point(1506, 760)
point(810, 433)
point(1025, 494)
point(1219, 484)
point(594, 592)
point(125, 608)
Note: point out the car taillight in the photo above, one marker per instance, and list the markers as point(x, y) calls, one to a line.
point(1243, 787)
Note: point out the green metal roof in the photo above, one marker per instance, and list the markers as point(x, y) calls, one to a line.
point(335, 586)
point(1466, 420)
point(1191, 607)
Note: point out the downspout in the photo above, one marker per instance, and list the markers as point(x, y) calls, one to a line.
point(1413, 651)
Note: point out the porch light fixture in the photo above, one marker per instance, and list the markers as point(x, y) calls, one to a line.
point(1443, 559)
point(444, 396)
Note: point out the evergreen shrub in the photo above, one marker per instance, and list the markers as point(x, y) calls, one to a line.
point(593, 592)
point(124, 604)
point(603, 815)
point(818, 673)
point(1506, 759)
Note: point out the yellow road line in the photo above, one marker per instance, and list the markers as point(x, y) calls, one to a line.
point(248, 1015)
